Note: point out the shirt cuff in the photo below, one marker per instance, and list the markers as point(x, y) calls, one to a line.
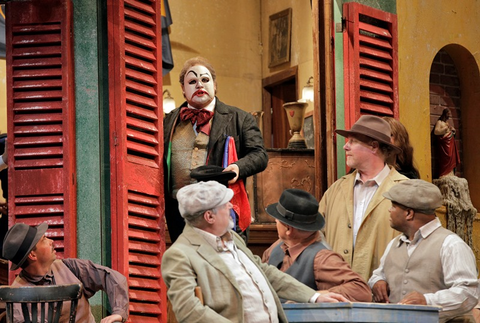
point(2, 164)
point(313, 299)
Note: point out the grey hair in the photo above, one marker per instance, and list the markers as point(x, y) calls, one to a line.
point(195, 218)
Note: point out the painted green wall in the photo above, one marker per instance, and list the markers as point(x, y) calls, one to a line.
point(385, 5)
point(91, 84)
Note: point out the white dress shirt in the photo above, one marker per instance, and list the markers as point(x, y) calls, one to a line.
point(258, 301)
point(363, 193)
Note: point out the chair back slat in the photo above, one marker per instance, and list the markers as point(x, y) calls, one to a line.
point(26, 312)
point(73, 310)
point(9, 312)
point(58, 310)
point(30, 297)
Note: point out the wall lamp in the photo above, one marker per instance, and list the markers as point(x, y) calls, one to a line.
point(307, 92)
point(168, 102)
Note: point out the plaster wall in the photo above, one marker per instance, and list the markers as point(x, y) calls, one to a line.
point(233, 36)
point(301, 40)
point(425, 27)
point(228, 35)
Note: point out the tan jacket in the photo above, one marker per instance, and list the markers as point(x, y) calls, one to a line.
point(192, 262)
point(375, 232)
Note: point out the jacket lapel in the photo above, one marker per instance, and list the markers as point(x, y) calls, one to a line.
point(221, 119)
point(209, 254)
point(347, 189)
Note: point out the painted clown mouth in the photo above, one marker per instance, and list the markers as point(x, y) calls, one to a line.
point(201, 92)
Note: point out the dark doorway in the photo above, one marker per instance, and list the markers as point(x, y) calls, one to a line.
point(277, 90)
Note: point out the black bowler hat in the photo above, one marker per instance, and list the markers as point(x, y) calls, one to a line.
point(298, 209)
point(212, 173)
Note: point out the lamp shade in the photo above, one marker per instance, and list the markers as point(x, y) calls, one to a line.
point(307, 92)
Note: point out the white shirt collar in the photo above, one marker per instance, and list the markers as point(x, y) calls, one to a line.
point(378, 179)
point(422, 233)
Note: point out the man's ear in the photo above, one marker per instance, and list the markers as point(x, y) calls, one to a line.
point(32, 255)
point(183, 91)
point(288, 230)
point(410, 214)
point(375, 145)
point(209, 217)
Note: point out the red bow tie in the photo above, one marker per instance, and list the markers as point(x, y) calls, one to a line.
point(200, 116)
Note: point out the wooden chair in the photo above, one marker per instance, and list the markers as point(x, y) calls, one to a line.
point(32, 296)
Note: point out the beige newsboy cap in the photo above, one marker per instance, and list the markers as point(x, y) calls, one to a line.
point(416, 194)
point(202, 196)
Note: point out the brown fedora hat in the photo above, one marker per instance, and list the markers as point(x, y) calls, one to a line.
point(373, 127)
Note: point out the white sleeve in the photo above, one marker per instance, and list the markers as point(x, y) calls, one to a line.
point(378, 273)
point(460, 277)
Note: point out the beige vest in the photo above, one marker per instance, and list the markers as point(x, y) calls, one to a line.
point(62, 275)
point(189, 151)
point(406, 274)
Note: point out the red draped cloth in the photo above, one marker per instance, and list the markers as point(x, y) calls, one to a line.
point(240, 202)
point(447, 156)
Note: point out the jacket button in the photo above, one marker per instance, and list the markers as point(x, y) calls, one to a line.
point(345, 251)
point(349, 226)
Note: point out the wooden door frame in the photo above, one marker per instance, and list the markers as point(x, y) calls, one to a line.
point(324, 96)
point(268, 82)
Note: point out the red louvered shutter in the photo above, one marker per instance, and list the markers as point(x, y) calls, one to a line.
point(371, 64)
point(138, 225)
point(41, 119)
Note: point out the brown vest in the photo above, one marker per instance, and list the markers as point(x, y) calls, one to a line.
point(62, 275)
point(406, 274)
point(189, 151)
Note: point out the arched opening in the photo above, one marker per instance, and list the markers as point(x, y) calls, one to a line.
point(458, 88)
point(445, 93)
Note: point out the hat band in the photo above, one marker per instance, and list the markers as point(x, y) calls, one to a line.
point(369, 132)
point(25, 245)
point(299, 218)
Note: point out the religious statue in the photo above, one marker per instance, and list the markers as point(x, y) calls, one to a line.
point(447, 157)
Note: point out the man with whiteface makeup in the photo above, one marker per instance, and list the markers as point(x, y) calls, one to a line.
point(195, 134)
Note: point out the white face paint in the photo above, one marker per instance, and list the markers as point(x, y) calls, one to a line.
point(198, 87)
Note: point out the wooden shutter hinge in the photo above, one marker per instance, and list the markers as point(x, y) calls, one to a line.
point(340, 26)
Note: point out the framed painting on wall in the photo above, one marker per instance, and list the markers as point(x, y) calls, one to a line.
point(280, 37)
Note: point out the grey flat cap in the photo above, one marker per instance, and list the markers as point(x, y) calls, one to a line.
point(202, 196)
point(416, 194)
